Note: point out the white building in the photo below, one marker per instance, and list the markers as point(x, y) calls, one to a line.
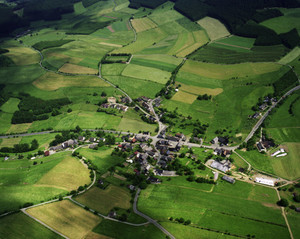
point(281, 155)
point(277, 152)
point(264, 181)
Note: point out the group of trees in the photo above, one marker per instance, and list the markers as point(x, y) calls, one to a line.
point(105, 59)
point(204, 97)
point(145, 3)
point(34, 109)
point(21, 148)
point(181, 220)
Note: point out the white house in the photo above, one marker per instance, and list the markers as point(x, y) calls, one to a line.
point(264, 181)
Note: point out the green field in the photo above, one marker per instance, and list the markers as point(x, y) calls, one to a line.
point(21, 226)
point(10, 106)
point(214, 28)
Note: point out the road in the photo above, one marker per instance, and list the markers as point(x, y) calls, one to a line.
point(155, 223)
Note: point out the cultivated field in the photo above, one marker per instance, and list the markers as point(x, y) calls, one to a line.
point(105, 200)
point(23, 56)
point(67, 218)
point(184, 97)
point(75, 69)
point(200, 90)
point(214, 28)
point(10, 106)
point(18, 128)
point(143, 24)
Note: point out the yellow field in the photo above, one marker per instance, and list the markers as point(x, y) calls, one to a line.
point(214, 28)
point(67, 218)
point(10, 142)
point(200, 90)
point(93, 235)
point(51, 81)
point(76, 69)
point(143, 24)
point(105, 200)
point(109, 44)
point(69, 174)
point(19, 128)
point(184, 97)
point(23, 55)
point(221, 72)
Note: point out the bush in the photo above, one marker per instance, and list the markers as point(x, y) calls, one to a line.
point(283, 202)
point(297, 198)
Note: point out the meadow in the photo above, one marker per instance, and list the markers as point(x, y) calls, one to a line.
point(214, 28)
point(67, 218)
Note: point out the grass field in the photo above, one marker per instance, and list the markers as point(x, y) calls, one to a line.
point(290, 56)
point(18, 128)
point(146, 73)
point(68, 175)
point(200, 90)
point(143, 24)
point(184, 97)
point(214, 28)
point(21, 226)
point(23, 56)
point(237, 43)
point(67, 218)
point(51, 81)
point(10, 142)
point(105, 200)
point(122, 231)
point(253, 206)
point(227, 71)
point(75, 69)
point(10, 106)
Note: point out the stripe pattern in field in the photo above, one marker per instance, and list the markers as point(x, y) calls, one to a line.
point(143, 24)
point(214, 28)
point(76, 69)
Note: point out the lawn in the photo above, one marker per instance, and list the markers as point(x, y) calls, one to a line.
point(68, 175)
point(67, 218)
point(122, 231)
point(10, 106)
point(21, 226)
point(214, 28)
point(146, 73)
point(105, 200)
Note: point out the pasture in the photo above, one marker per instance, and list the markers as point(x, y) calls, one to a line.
point(51, 81)
point(105, 200)
point(184, 97)
point(19, 225)
point(146, 73)
point(220, 72)
point(67, 218)
point(68, 175)
point(10, 106)
point(237, 43)
point(10, 142)
point(214, 28)
point(200, 90)
point(216, 211)
point(23, 56)
point(292, 55)
point(18, 128)
point(76, 69)
point(143, 24)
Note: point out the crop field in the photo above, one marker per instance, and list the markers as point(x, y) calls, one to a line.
point(21, 226)
point(143, 24)
point(184, 97)
point(19, 178)
point(69, 174)
point(67, 218)
point(227, 71)
point(76, 69)
point(290, 56)
point(236, 43)
point(216, 211)
point(164, 14)
point(200, 90)
point(214, 28)
point(23, 56)
point(122, 231)
point(51, 81)
point(284, 23)
point(10, 106)
point(154, 64)
point(105, 200)
point(101, 158)
point(146, 73)
point(10, 142)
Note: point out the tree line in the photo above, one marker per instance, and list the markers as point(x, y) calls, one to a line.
point(21, 148)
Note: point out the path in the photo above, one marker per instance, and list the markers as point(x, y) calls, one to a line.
point(226, 44)
point(155, 223)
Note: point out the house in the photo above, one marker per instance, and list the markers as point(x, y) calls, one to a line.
point(268, 144)
point(111, 100)
point(100, 182)
point(81, 138)
point(281, 155)
point(131, 187)
point(92, 140)
point(220, 166)
point(180, 136)
point(255, 116)
point(297, 209)
point(143, 146)
point(260, 147)
point(263, 106)
point(46, 153)
point(228, 179)
point(125, 100)
point(264, 181)
point(223, 141)
point(112, 214)
point(277, 152)
point(215, 140)
point(154, 180)
point(93, 146)
point(216, 175)
point(172, 138)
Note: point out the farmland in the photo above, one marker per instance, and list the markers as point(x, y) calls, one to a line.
point(215, 29)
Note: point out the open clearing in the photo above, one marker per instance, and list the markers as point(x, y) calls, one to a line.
point(105, 200)
point(51, 81)
point(184, 97)
point(19, 225)
point(69, 174)
point(23, 55)
point(214, 28)
point(227, 71)
point(146, 73)
point(75, 69)
point(67, 218)
point(143, 24)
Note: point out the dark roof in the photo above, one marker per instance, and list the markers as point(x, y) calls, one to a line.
point(228, 179)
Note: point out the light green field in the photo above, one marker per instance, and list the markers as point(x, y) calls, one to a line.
point(236, 43)
point(215, 71)
point(5, 122)
point(18, 128)
point(290, 56)
point(164, 14)
point(146, 73)
point(135, 126)
point(23, 56)
point(10, 142)
point(105, 200)
point(143, 24)
point(161, 58)
point(184, 97)
point(214, 28)
point(67, 218)
point(11, 105)
point(21, 226)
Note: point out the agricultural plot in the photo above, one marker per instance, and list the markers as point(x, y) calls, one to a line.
point(105, 200)
point(214, 28)
point(10, 106)
point(237, 43)
point(290, 56)
point(10, 142)
point(143, 24)
point(184, 97)
point(23, 56)
point(146, 73)
point(18, 128)
point(21, 226)
point(215, 211)
point(51, 81)
point(227, 71)
point(164, 14)
point(200, 90)
point(76, 69)
point(67, 218)
point(69, 174)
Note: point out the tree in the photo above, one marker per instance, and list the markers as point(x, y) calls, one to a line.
point(103, 94)
point(283, 202)
point(187, 222)
point(297, 198)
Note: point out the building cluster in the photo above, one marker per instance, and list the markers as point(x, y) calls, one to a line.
point(266, 102)
point(264, 144)
point(115, 106)
point(144, 102)
point(224, 165)
point(279, 153)
point(222, 141)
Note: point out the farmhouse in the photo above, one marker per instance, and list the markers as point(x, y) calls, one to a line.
point(111, 100)
point(228, 179)
point(277, 152)
point(265, 181)
point(81, 138)
point(220, 166)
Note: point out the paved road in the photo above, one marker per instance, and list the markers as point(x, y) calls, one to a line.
point(155, 223)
